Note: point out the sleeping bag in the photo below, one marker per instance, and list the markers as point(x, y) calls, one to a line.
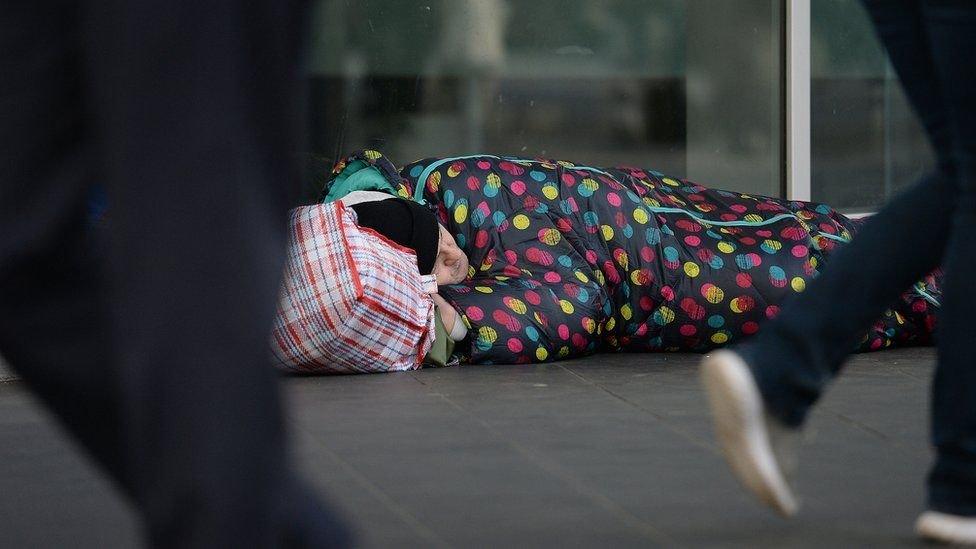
point(568, 260)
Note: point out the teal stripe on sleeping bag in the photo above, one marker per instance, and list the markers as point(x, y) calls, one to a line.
point(418, 195)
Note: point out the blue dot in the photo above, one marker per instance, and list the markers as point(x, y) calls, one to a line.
point(716, 262)
point(584, 191)
point(496, 217)
point(537, 175)
point(652, 235)
point(716, 321)
point(449, 198)
point(565, 261)
point(628, 231)
point(416, 171)
point(532, 333)
point(542, 208)
point(490, 191)
point(591, 219)
point(583, 295)
point(670, 253)
point(461, 241)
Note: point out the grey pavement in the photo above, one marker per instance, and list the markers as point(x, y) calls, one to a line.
point(607, 451)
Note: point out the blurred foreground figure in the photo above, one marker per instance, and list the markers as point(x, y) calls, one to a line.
point(762, 391)
point(157, 361)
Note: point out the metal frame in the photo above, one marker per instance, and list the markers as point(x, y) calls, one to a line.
point(797, 100)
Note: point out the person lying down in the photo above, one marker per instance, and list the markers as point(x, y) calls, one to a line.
point(540, 260)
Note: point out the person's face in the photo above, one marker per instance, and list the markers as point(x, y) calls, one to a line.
point(451, 266)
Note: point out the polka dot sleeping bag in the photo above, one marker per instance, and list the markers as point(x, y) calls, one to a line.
point(568, 260)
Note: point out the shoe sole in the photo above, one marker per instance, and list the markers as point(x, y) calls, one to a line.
point(738, 417)
point(945, 528)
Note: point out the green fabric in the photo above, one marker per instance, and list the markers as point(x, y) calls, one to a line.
point(358, 176)
point(443, 346)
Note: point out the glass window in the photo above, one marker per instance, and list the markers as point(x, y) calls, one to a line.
point(866, 142)
point(688, 87)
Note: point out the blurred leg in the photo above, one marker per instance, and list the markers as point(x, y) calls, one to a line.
point(952, 482)
point(52, 317)
point(197, 108)
point(796, 355)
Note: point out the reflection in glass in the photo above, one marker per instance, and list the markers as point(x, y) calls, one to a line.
point(689, 87)
point(866, 142)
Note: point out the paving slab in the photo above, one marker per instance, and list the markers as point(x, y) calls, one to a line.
point(611, 450)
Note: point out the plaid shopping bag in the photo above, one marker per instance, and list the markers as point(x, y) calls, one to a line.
point(352, 301)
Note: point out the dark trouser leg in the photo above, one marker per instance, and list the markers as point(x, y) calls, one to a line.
point(195, 103)
point(52, 317)
point(952, 482)
point(795, 356)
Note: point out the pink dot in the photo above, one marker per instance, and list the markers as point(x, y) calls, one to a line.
point(473, 183)
point(738, 208)
point(511, 256)
point(799, 250)
point(646, 303)
point(743, 280)
point(772, 311)
point(667, 293)
point(514, 345)
point(532, 254)
point(484, 164)
point(563, 331)
point(474, 313)
point(750, 328)
point(518, 187)
point(591, 257)
point(728, 217)
point(481, 239)
point(647, 254)
point(579, 341)
point(552, 277)
point(613, 199)
point(569, 179)
point(688, 330)
point(754, 259)
point(692, 240)
point(748, 240)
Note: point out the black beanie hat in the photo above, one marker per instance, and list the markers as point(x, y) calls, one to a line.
point(405, 222)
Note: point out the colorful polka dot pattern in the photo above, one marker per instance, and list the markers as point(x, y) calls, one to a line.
point(567, 260)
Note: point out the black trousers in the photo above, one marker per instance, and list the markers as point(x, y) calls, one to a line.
point(153, 354)
point(930, 44)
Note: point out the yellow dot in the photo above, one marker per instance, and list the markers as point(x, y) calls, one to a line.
point(691, 269)
point(493, 180)
point(581, 276)
point(753, 218)
point(623, 260)
point(667, 315)
point(461, 213)
point(453, 171)
point(814, 262)
point(719, 338)
point(564, 351)
point(550, 192)
point(371, 154)
point(714, 294)
point(600, 279)
point(607, 232)
point(487, 333)
point(672, 182)
point(726, 247)
point(538, 318)
point(541, 353)
point(517, 305)
point(566, 306)
point(483, 289)
point(640, 216)
point(521, 222)
point(773, 244)
point(798, 284)
point(550, 237)
point(611, 323)
point(589, 324)
point(434, 181)
point(626, 312)
point(734, 305)
point(590, 184)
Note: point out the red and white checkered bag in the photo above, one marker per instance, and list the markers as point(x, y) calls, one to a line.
point(352, 301)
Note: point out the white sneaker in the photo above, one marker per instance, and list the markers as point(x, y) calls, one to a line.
point(946, 528)
point(756, 445)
